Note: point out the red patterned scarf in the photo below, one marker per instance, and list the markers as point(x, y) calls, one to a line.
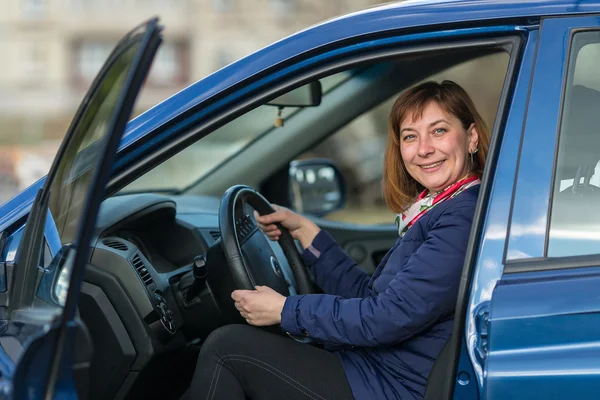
point(426, 201)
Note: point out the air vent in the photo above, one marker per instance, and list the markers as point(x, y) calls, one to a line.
point(215, 234)
point(142, 271)
point(115, 244)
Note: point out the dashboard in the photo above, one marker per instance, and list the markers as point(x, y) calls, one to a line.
point(167, 230)
point(133, 298)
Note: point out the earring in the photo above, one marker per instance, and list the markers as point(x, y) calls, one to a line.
point(472, 165)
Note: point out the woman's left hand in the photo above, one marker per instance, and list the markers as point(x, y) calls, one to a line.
point(260, 307)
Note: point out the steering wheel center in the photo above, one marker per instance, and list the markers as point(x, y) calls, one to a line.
point(249, 255)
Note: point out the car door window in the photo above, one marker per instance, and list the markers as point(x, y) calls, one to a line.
point(575, 218)
point(75, 172)
point(358, 148)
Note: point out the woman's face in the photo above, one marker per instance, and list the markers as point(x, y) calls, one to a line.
point(435, 148)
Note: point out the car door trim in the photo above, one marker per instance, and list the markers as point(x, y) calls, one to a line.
point(552, 263)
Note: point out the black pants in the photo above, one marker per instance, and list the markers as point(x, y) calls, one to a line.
point(240, 362)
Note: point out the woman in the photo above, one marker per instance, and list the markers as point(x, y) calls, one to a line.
point(381, 334)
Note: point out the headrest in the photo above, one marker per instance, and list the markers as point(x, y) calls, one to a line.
point(580, 136)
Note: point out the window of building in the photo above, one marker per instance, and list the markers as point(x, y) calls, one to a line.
point(84, 4)
point(89, 57)
point(34, 8)
point(575, 217)
point(34, 63)
point(159, 3)
point(223, 5)
point(103, 5)
point(169, 66)
point(223, 57)
point(166, 68)
point(283, 7)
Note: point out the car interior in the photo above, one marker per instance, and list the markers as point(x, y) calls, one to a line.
point(171, 246)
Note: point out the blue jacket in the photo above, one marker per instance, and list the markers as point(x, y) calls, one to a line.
point(388, 328)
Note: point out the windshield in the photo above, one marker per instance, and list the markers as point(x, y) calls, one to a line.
point(196, 161)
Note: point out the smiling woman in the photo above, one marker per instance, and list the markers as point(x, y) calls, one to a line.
point(254, 152)
point(371, 326)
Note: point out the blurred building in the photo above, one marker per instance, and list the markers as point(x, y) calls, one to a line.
point(52, 49)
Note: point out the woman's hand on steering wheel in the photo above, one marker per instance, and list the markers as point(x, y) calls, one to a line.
point(260, 307)
point(301, 228)
point(249, 255)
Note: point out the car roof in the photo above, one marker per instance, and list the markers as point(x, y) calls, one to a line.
point(383, 18)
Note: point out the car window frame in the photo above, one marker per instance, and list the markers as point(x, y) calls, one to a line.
point(249, 93)
point(571, 63)
point(527, 263)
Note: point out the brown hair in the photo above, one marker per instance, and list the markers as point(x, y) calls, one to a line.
point(399, 188)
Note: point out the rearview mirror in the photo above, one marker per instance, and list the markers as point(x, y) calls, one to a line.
point(304, 96)
point(317, 187)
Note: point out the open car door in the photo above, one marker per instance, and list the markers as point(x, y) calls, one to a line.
point(44, 348)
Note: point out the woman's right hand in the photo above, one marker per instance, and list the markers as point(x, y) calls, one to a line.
point(301, 228)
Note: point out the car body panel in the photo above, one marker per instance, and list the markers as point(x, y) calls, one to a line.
point(555, 355)
point(19, 206)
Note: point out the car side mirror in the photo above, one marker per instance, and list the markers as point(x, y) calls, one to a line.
point(54, 283)
point(316, 187)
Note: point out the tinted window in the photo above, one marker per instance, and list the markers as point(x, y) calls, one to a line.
point(75, 172)
point(575, 218)
point(76, 164)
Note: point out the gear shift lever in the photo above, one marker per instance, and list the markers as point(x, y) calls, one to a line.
point(199, 271)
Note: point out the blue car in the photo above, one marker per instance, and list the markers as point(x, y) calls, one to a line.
point(117, 264)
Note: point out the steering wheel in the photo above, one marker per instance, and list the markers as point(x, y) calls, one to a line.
point(249, 256)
